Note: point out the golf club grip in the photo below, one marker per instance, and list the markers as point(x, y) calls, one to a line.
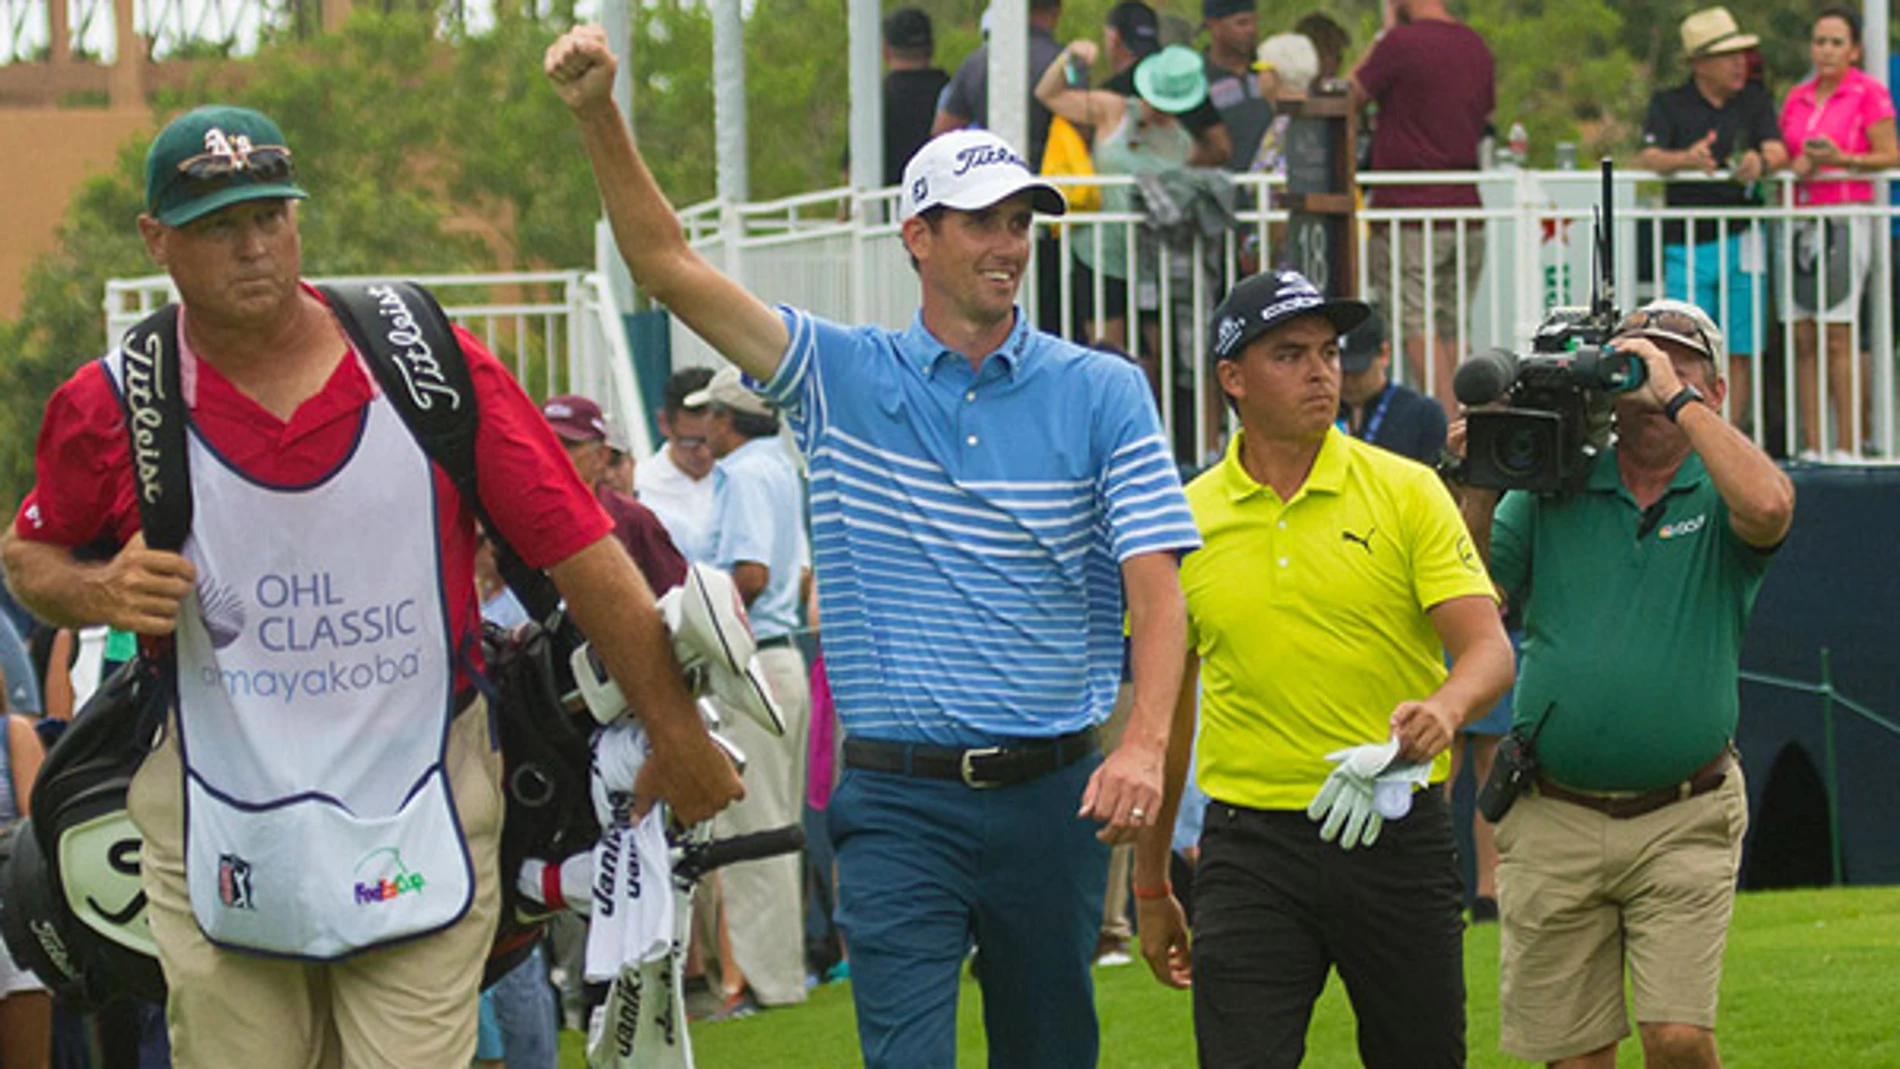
point(749, 847)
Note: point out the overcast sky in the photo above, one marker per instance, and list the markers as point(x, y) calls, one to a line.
point(23, 23)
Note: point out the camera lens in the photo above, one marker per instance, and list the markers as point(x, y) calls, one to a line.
point(1518, 452)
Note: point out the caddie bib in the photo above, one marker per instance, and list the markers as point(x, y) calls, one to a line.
point(315, 691)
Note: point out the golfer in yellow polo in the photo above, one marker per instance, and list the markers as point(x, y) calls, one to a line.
point(1334, 578)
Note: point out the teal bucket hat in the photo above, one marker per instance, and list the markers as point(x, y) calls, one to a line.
point(1172, 80)
point(213, 157)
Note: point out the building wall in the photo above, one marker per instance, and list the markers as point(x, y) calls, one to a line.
point(65, 147)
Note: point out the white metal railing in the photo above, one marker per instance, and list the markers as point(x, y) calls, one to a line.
point(839, 255)
point(558, 331)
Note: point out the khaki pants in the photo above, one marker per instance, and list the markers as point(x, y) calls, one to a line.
point(1406, 295)
point(411, 1005)
point(763, 900)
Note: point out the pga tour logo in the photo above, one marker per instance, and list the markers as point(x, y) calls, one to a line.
point(234, 882)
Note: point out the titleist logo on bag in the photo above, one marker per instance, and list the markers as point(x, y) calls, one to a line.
point(414, 359)
point(144, 393)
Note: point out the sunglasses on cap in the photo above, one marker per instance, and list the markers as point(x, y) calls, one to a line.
point(1667, 321)
point(209, 172)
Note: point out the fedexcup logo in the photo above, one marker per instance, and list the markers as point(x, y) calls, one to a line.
point(144, 393)
point(421, 371)
point(388, 880)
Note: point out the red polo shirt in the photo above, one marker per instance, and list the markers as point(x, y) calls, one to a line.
point(84, 492)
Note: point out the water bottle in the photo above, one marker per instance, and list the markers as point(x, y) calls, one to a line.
point(1520, 139)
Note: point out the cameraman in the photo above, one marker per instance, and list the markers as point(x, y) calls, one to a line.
point(1635, 592)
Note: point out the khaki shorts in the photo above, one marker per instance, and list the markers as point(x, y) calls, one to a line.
point(1579, 893)
point(1447, 309)
point(411, 1005)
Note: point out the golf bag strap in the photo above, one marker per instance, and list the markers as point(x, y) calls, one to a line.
point(412, 350)
point(150, 394)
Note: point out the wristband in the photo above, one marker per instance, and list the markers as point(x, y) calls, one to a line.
point(551, 895)
point(1674, 406)
point(1166, 890)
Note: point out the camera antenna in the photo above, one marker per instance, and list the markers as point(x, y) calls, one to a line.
point(1603, 250)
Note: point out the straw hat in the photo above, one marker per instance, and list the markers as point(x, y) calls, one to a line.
point(1712, 32)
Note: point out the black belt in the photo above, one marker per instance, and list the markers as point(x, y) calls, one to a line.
point(774, 643)
point(1017, 761)
point(1626, 806)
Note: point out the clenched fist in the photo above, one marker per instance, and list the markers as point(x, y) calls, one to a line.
point(582, 67)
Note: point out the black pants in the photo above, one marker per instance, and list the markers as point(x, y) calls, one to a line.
point(1275, 909)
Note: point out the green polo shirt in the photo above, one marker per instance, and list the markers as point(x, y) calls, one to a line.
point(1632, 625)
point(1311, 616)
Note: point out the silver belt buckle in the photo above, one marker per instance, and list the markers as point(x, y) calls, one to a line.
point(969, 771)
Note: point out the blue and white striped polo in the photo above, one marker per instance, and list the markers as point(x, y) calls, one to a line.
point(968, 526)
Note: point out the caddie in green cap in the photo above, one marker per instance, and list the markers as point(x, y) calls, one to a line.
point(319, 825)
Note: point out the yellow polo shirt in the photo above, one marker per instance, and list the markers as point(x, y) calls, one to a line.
point(1309, 615)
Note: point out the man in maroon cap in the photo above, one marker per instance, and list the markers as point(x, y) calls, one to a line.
point(579, 424)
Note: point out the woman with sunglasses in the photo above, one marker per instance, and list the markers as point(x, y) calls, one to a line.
point(1838, 123)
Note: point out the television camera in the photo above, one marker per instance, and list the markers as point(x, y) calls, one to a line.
point(1559, 398)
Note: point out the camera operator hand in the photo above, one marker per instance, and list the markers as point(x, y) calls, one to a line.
point(1662, 382)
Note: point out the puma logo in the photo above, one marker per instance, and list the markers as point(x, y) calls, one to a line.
point(1362, 541)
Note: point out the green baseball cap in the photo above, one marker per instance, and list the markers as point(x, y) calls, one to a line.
point(213, 157)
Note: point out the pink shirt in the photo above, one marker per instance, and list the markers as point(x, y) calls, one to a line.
point(1854, 106)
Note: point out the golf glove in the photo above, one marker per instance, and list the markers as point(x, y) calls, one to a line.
point(1344, 806)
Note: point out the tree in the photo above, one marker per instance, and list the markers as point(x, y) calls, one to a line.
point(401, 139)
point(429, 151)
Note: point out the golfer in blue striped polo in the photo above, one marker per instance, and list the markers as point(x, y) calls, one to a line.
point(982, 495)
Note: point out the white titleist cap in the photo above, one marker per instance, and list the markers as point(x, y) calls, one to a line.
point(971, 169)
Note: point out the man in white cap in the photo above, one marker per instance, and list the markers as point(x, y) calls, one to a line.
point(981, 495)
point(1717, 120)
point(758, 537)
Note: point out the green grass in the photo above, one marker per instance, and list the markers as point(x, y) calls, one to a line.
point(1812, 981)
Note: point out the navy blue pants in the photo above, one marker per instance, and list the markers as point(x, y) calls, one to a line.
point(925, 868)
point(1276, 909)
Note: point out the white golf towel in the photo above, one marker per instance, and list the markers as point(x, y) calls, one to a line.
point(632, 919)
point(633, 935)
